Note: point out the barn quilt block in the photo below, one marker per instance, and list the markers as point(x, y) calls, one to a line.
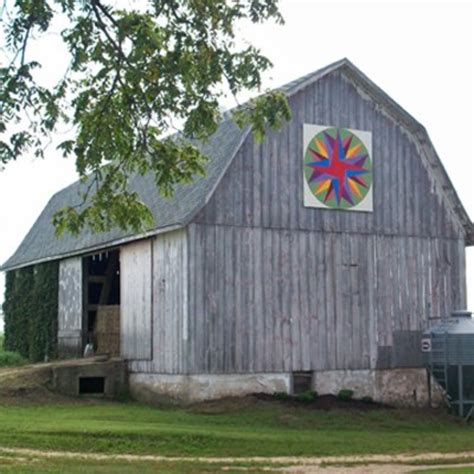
point(337, 168)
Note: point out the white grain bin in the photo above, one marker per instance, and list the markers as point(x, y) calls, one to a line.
point(449, 355)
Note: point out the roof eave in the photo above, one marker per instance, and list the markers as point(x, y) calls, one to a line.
point(95, 248)
point(470, 236)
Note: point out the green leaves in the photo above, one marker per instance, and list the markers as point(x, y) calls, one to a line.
point(269, 110)
point(31, 311)
point(133, 74)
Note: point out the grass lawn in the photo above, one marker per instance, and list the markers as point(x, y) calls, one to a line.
point(8, 359)
point(449, 470)
point(35, 465)
point(247, 428)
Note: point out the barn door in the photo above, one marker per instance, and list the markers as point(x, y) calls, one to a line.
point(70, 308)
point(136, 294)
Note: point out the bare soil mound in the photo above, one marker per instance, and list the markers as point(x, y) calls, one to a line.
point(322, 402)
point(29, 383)
point(326, 402)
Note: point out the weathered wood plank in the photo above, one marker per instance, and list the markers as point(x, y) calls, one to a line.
point(136, 310)
point(70, 307)
point(170, 303)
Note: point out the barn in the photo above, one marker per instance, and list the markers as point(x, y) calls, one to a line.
point(315, 259)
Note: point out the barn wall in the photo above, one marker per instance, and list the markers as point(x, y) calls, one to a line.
point(263, 186)
point(168, 262)
point(269, 300)
point(276, 286)
point(70, 307)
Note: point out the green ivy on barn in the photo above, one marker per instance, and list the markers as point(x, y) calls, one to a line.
point(8, 310)
point(31, 311)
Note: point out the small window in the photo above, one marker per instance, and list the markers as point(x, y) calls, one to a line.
point(91, 385)
point(302, 382)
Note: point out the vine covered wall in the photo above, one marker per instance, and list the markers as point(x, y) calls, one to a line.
point(31, 311)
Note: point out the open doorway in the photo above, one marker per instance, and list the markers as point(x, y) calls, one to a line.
point(102, 302)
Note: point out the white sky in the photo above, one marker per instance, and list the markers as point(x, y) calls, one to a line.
point(420, 53)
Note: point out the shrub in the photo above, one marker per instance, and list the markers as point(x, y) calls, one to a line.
point(307, 397)
point(345, 394)
point(282, 396)
point(2, 339)
point(367, 400)
point(11, 358)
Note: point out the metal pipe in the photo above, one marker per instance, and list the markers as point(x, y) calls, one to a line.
point(461, 389)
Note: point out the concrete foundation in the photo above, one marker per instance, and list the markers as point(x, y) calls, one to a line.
point(66, 376)
point(399, 387)
point(195, 388)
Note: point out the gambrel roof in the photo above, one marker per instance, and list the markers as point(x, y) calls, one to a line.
point(40, 244)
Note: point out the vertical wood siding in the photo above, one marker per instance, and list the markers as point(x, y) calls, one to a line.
point(70, 307)
point(263, 187)
point(168, 279)
point(275, 286)
point(170, 313)
point(264, 300)
point(259, 283)
point(136, 300)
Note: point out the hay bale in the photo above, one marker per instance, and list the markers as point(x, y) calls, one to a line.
point(108, 330)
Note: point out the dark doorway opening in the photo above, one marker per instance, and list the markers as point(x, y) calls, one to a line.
point(102, 302)
point(91, 385)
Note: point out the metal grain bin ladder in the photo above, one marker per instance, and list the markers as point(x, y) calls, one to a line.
point(438, 363)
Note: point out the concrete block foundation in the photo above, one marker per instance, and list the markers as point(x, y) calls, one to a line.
point(66, 377)
point(196, 388)
point(398, 387)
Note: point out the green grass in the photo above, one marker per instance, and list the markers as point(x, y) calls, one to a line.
point(447, 470)
point(260, 429)
point(35, 464)
point(234, 429)
point(7, 358)
point(440, 462)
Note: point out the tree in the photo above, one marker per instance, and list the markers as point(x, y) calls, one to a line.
point(133, 71)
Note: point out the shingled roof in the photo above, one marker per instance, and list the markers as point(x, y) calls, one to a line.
point(40, 244)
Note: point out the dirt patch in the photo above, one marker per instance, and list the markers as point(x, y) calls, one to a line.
point(325, 402)
point(27, 383)
point(322, 402)
point(375, 463)
point(226, 405)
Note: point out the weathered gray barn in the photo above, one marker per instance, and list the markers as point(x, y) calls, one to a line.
point(241, 287)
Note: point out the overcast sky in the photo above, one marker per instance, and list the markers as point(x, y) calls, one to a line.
point(420, 53)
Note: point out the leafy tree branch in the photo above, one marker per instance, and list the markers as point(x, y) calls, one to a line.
point(132, 73)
